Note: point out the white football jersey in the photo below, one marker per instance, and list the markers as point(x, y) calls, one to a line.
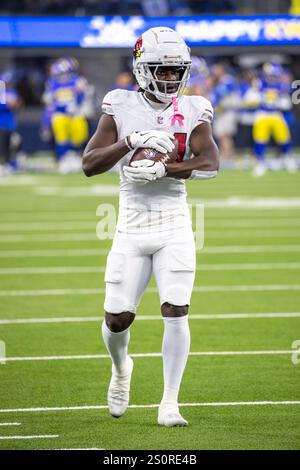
point(166, 196)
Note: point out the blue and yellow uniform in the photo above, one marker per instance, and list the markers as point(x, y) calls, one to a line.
point(9, 104)
point(8, 119)
point(224, 98)
point(64, 96)
point(222, 93)
point(270, 121)
point(249, 97)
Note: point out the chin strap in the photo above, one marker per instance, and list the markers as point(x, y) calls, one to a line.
point(176, 116)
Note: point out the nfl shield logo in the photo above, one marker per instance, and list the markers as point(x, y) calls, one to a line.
point(160, 120)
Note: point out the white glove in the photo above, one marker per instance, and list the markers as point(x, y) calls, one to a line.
point(159, 140)
point(143, 171)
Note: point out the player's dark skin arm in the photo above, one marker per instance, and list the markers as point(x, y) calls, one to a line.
point(103, 150)
point(205, 151)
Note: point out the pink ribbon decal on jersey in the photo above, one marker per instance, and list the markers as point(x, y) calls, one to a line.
point(176, 116)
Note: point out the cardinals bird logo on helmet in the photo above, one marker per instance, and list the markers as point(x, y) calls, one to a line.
point(138, 47)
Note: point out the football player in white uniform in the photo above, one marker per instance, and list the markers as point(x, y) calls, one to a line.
point(154, 233)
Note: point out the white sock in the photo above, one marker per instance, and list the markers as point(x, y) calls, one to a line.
point(117, 346)
point(175, 351)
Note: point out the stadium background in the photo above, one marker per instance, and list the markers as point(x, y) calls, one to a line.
point(241, 384)
point(106, 67)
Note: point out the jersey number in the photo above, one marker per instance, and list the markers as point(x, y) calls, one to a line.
point(181, 139)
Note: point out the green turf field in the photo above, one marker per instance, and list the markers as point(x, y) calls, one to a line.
point(241, 389)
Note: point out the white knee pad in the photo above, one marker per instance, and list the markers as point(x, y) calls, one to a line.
point(115, 264)
point(116, 300)
point(176, 295)
point(117, 304)
point(175, 273)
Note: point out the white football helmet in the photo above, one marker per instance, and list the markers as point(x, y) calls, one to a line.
point(157, 48)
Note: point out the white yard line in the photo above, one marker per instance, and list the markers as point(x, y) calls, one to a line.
point(252, 249)
point(97, 291)
point(50, 292)
point(218, 316)
point(100, 269)
point(246, 288)
point(55, 253)
point(45, 226)
point(93, 220)
point(273, 233)
point(252, 222)
point(233, 202)
point(280, 217)
point(144, 355)
point(108, 190)
point(54, 270)
point(41, 226)
point(32, 217)
point(246, 266)
point(25, 180)
point(104, 407)
point(78, 448)
point(249, 202)
point(25, 321)
point(100, 251)
point(49, 436)
point(91, 236)
point(10, 424)
point(55, 238)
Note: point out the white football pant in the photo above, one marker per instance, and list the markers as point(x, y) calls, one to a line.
point(170, 256)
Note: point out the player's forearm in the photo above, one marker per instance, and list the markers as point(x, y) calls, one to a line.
point(184, 169)
point(99, 160)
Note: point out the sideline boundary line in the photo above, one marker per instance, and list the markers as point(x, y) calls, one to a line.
point(49, 436)
point(142, 355)
point(105, 407)
point(97, 291)
point(217, 316)
point(101, 269)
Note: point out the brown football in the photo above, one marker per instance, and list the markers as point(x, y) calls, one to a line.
point(151, 154)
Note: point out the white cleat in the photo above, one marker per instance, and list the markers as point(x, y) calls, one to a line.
point(118, 390)
point(168, 415)
point(290, 164)
point(259, 171)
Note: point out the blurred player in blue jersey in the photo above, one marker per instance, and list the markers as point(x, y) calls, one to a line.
point(249, 98)
point(224, 98)
point(45, 124)
point(65, 98)
point(270, 122)
point(10, 102)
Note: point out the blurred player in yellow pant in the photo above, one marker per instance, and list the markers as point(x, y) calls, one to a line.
point(69, 130)
point(65, 97)
point(270, 121)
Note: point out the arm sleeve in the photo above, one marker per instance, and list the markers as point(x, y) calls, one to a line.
point(203, 175)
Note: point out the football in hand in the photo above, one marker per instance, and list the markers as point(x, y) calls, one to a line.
point(152, 154)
